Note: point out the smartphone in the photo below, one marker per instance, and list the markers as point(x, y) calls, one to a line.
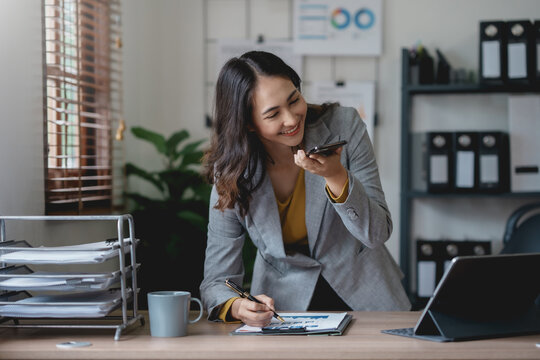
point(326, 149)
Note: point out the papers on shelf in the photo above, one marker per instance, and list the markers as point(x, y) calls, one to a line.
point(301, 323)
point(56, 281)
point(73, 254)
point(86, 305)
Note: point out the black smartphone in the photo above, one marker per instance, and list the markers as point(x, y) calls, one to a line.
point(326, 149)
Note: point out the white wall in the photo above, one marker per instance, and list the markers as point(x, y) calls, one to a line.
point(163, 74)
point(21, 108)
point(164, 70)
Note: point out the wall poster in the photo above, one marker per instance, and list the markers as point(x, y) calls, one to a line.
point(338, 27)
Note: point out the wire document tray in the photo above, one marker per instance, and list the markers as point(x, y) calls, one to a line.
point(69, 295)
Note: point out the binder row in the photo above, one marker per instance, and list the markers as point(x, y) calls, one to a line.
point(457, 162)
point(509, 52)
point(433, 257)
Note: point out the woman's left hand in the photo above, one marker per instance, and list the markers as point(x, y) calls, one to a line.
point(329, 167)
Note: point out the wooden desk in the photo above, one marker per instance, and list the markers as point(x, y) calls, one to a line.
point(206, 340)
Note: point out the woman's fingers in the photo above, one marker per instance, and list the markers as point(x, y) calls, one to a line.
point(324, 166)
point(308, 163)
point(267, 300)
point(252, 313)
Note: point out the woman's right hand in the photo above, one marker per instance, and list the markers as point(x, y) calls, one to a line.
point(252, 313)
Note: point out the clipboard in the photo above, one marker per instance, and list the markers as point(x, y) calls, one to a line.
point(332, 324)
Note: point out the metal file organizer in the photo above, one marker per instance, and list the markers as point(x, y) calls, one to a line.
point(69, 295)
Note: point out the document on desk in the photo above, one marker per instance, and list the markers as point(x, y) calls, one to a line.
point(306, 323)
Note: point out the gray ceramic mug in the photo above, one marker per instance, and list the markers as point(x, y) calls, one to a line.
point(169, 312)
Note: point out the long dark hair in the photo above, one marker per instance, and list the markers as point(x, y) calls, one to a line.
point(235, 152)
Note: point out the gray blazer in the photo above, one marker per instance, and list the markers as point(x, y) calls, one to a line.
point(346, 240)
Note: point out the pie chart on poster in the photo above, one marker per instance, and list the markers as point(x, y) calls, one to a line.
point(364, 18)
point(340, 18)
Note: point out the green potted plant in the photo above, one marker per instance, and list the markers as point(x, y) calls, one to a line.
point(172, 227)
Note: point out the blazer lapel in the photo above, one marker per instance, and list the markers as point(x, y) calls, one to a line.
point(316, 201)
point(265, 216)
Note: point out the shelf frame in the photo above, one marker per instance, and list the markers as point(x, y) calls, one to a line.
point(407, 196)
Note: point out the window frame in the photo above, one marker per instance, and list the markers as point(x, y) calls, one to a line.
point(82, 106)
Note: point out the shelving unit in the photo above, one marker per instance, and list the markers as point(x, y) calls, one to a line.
point(92, 298)
point(407, 194)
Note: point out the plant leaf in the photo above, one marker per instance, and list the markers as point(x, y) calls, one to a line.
point(132, 169)
point(189, 148)
point(179, 180)
point(181, 216)
point(173, 141)
point(152, 137)
point(200, 221)
point(193, 158)
point(144, 202)
point(202, 191)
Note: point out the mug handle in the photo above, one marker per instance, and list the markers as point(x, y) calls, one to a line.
point(200, 310)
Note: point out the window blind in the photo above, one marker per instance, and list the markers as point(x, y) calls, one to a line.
point(84, 155)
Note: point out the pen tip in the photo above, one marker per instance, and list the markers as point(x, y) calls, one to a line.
point(280, 318)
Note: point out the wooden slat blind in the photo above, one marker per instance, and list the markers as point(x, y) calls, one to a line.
point(84, 158)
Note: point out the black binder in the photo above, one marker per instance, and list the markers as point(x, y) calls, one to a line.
point(439, 163)
point(493, 162)
point(428, 258)
point(426, 74)
point(482, 297)
point(466, 161)
point(520, 51)
point(492, 52)
point(442, 75)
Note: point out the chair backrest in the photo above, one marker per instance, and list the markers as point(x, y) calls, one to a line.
point(523, 236)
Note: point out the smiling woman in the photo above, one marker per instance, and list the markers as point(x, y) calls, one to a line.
point(234, 130)
point(319, 222)
point(278, 119)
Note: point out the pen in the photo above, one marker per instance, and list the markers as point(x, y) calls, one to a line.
point(243, 293)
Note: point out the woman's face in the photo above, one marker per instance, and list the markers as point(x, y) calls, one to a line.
point(279, 112)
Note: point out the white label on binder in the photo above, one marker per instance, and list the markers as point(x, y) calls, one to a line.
point(538, 57)
point(438, 169)
point(524, 128)
point(517, 61)
point(465, 169)
point(489, 169)
point(426, 278)
point(491, 59)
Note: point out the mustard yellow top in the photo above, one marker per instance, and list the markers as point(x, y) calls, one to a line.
point(292, 213)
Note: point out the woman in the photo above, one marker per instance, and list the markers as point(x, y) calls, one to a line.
point(319, 223)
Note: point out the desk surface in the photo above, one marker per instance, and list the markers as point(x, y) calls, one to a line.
point(207, 340)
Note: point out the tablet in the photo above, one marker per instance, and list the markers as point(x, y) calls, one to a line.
point(482, 297)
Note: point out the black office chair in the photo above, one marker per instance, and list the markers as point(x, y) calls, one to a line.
point(523, 236)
